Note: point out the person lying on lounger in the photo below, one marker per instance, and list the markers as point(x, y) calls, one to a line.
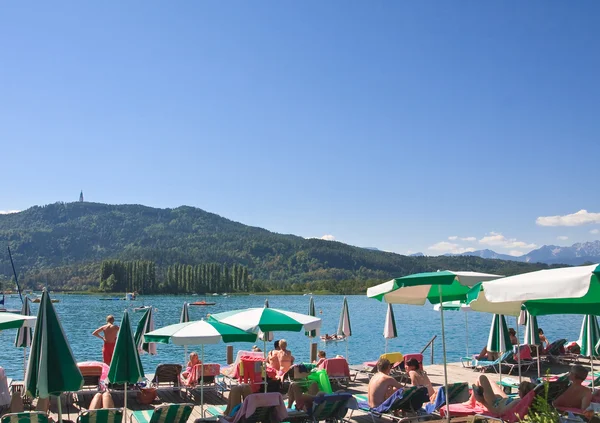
point(102, 400)
point(419, 377)
point(576, 395)
point(304, 400)
point(382, 385)
point(494, 398)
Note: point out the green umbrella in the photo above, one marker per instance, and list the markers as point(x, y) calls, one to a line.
point(344, 328)
point(125, 366)
point(146, 324)
point(52, 369)
point(24, 335)
point(589, 340)
point(15, 321)
point(499, 338)
point(435, 287)
point(265, 336)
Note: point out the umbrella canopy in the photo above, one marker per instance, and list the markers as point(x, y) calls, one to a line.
point(344, 328)
point(126, 366)
point(24, 334)
point(499, 338)
point(571, 290)
point(15, 321)
point(389, 329)
point(532, 335)
point(452, 306)
point(185, 314)
point(145, 325)
point(267, 320)
point(198, 333)
point(52, 369)
point(418, 288)
point(265, 336)
point(311, 312)
point(589, 336)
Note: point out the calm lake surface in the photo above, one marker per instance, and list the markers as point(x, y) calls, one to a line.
point(80, 315)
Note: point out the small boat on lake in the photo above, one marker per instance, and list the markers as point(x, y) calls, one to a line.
point(201, 303)
point(332, 338)
point(38, 300)
point(142, 308)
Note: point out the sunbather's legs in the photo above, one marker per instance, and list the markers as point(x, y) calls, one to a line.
point(107, 400)
point(96, 403)
point(489, 393)
point(297, 395)
point(236, 396)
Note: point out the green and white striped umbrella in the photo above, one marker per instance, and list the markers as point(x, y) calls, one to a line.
point(266, 336)
point(125, 366)
point(389, 329)
point(185, 314)
point(24, 334)
point(145, 325)
point(499, 338)
point(532, 334)
point(311, 312)
point(267, 320)
point(15, 321)
point(589, 336)
point(344, 328)
point(52, 369)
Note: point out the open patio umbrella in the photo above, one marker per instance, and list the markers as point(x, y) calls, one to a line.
point(199, 333)
point(125, 366)
point(15, 321)
point(458, 306)
point(51, 369)
point(185, 317)
point(267, 320)
point(435, 287)
point(588, 340)
point(24, 335)
point(265, 336)
point(532, 337)
point(145, 325)
point(389, 329)
point(344, 329)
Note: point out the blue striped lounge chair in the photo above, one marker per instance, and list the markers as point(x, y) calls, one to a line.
point(103, 415)
point(26, 417)
point(166, 413)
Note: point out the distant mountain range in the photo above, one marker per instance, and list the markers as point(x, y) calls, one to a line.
point(576, 254)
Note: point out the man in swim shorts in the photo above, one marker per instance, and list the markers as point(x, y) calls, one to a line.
point(110, 331)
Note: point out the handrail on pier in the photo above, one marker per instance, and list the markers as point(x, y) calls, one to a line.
point(430, 343)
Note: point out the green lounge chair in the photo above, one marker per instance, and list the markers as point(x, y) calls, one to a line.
point(103, 415)
point(331, 407)
point(166, 413)
point(25, 417)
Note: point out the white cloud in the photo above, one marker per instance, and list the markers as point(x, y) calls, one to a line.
point(458, 238)
point(496, 239)
point(595, 231)
point(582, 217)
point(328, 237)
point(515, 253)
point(562, 237)
point(9, 211)
point(443, 247)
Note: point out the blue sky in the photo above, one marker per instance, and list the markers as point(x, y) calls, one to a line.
point(388, 124)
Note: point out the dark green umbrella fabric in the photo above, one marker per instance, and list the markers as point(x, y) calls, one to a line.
point(126, 366)
point(52, 369)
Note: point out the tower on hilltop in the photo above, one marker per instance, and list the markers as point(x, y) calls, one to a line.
point(81, 197)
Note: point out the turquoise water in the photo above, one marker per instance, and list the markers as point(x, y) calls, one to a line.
point(81, 315)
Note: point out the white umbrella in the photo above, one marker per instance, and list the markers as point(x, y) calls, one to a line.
point(344, 328)
point(389, 329)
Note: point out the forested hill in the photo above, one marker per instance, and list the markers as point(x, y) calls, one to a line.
point(64, 244)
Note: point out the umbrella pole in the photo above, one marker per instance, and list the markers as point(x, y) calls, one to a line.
point(185, 356)
point(202, 381)
point(592, 366)
point(125, 402)
point(265, 362)
point(347, 359)
point(519, 349)
point(24, 362)
point(467, 331)
point(537, 348)
point(59, 409)
point(386, 342)
point(444, 349)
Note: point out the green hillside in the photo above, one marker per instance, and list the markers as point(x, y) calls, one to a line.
point(62, 245)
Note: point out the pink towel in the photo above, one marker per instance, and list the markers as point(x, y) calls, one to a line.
point(254, 401)
point(336, 367)
point(463, 410)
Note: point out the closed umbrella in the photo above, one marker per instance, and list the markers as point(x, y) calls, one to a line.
point(311, 334)
point(265, 336)
point(435, 287)
point(389, 329)
point(499, 338)
point(199, 333)
point(589, 339)
point(145, 325)
point(532, 337)
point(344, 329)
point(51, 369)
point(24, 335)
point(185, 317)
point(125, 366)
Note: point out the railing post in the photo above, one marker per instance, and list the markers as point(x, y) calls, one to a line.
point(432, 344)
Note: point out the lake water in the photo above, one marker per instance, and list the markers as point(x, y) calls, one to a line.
point(80, 315)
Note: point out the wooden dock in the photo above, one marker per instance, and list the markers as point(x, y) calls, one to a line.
point(73, 404)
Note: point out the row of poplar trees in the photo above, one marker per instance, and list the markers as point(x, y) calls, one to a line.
point(141, 276)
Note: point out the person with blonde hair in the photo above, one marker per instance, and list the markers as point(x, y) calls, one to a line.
point(285, 358)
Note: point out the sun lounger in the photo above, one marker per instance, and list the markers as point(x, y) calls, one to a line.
point(103, 415)
point(261, 407)
point(337, 370)
point(407, 403)
point(92, 375)
point(166, 413)
point(555, 352)
point(240, 373)
point(332, 407)
point(484, 365)
point(194, 379)
point(25, 417)
point(167, 376)
point(457, 392)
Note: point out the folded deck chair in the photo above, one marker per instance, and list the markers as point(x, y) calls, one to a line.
point(25, 417)
point(167, 376)
point(166, 413)
point(332, 407)
point(407, 402)
point(103, 415)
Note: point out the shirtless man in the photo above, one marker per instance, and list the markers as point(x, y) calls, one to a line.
point(576, 395)
point(110, 331)
point(382, 385)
